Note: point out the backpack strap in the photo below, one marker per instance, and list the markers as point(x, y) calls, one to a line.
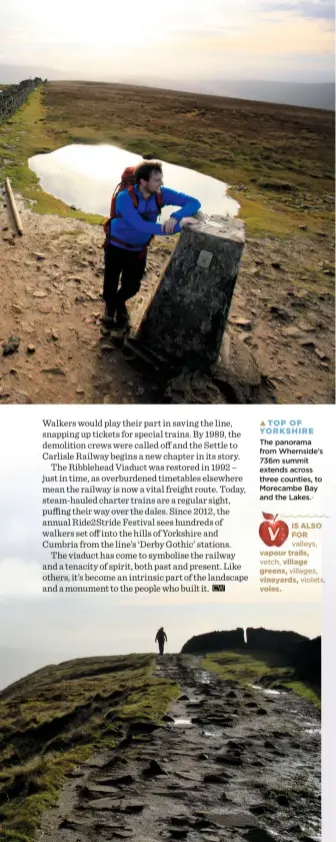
point(114, 199)
point(132, 194)
point(159, 200)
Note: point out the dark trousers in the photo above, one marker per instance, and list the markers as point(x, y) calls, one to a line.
point(161, 646)
point(126, 266)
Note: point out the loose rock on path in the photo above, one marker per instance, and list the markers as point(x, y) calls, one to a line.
point(228, 764)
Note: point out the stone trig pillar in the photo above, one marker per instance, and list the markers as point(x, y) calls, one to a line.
point(184, 321)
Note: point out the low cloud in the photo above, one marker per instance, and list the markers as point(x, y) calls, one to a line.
point(275, 38)
point(315, 9)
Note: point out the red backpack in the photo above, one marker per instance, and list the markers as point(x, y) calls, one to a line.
point(127, 183)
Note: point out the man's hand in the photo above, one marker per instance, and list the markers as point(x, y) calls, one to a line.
point(169, 225)
point(188, 220)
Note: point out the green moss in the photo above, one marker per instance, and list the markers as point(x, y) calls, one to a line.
point(306, 692)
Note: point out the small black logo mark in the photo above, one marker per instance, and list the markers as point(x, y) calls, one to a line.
point(218, 587)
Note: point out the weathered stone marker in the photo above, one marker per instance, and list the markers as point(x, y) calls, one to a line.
point(184, 320)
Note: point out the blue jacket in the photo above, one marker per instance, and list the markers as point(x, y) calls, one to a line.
point(131, 228)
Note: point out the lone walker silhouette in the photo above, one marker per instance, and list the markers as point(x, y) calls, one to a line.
point(161, 638)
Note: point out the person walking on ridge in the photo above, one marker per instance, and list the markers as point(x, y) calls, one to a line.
point(131, 227)
point(161, 638)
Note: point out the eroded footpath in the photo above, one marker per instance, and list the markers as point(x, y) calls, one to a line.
point(55, 349)
point(229, 763)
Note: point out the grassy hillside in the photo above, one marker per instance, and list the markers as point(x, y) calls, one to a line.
point(279, 160)
point(57, 717)
point(23, 136)
point(264, 668)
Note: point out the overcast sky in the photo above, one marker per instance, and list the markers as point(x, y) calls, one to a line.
point(181, 39)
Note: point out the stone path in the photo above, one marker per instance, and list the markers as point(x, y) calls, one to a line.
point(228, 763)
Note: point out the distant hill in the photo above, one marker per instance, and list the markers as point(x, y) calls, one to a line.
point(288, 93)
point(256, 639)
point(12, 74)
point(304, 94)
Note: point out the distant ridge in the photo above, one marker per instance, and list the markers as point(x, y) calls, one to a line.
point(302, 94)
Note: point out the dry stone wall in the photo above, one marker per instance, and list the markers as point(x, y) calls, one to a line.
point(14, 96)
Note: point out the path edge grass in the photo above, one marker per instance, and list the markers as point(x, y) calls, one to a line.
point(263, 668)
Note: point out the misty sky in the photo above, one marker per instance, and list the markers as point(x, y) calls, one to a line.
point(183, 39)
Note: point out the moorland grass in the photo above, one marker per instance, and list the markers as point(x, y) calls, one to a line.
point(278, 160)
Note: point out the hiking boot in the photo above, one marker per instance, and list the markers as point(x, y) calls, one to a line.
point(108, 317)
point(122, 316)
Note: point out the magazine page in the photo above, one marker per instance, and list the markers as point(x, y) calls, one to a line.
point(162, 660)
point(167, 423)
